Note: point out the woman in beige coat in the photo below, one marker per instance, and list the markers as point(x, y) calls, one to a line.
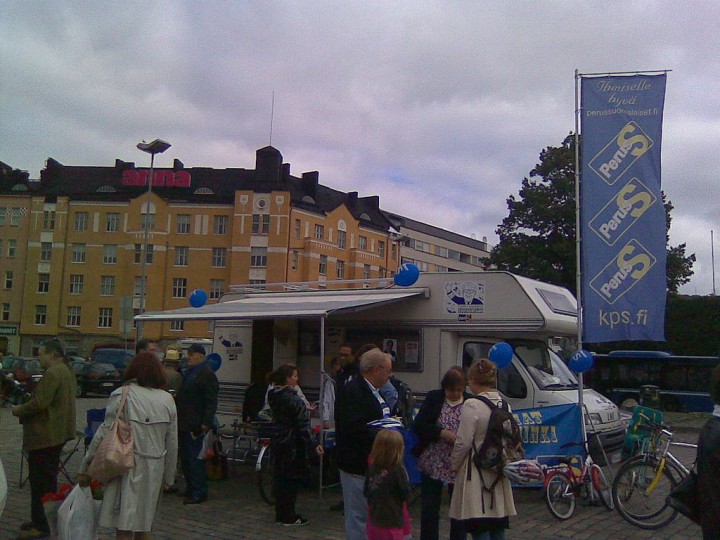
point(486, 513)
point(130, 502)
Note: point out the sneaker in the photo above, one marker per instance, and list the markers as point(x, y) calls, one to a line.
point(299, 521)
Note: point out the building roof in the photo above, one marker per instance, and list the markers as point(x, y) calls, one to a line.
point(399, 222)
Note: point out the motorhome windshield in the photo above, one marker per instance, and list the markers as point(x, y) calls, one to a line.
point(544, 366)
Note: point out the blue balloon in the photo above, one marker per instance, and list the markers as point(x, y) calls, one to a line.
point(501, 354)
point(214, 360)
point(581, 361)
point(406, 275)
point(198, 298)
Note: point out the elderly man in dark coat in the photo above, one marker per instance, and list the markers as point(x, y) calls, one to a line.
point(196, 406)
point(358, 403)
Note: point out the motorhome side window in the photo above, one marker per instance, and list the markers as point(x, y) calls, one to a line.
point(403, 345)
point(509, 380)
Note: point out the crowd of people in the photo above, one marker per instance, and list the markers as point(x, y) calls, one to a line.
point(170, 412)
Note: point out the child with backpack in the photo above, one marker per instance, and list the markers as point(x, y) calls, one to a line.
point(483, 497)
point(387, 489)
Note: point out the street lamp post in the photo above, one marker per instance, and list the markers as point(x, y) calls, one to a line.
point(158, 146)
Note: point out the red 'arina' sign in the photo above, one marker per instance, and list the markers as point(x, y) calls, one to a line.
point(134, 177)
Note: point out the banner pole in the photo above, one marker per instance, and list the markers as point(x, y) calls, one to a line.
point(578, 240)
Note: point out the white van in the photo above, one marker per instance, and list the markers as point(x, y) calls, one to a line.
point(444, 319)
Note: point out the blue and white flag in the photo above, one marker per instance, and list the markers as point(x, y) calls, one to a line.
point(621, 211)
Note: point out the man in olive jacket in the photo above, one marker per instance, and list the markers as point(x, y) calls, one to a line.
point(48, 420)
point(196, 406)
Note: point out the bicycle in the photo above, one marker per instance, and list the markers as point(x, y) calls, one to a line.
point(643, 483)
point(252, 445)
point(563, 486)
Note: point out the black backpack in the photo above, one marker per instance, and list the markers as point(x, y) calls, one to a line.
point(502, 444)
point(405, 403)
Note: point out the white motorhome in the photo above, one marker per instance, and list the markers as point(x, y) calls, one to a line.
point(444, 319)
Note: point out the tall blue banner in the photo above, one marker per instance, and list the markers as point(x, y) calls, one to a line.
point(621, 211)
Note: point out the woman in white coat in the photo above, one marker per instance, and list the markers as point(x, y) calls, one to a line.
point(485, 513)
point(130, 502)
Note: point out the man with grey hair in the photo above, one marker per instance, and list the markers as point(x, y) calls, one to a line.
point(356, 405)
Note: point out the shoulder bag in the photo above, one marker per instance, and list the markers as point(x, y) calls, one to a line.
point(115, 454)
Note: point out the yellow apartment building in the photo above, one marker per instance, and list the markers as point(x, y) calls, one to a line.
point(77, 239)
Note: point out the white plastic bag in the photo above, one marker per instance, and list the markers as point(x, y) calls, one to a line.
point(3, 488)
point(77, 519)
point(207, 451)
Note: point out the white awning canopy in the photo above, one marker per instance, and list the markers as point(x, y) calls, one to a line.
point(275, 305)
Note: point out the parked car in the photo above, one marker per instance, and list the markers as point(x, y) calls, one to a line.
point(96, 378)
point(25, 370)
point(120, 358)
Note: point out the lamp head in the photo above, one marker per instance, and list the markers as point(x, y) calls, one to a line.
point(158, 146)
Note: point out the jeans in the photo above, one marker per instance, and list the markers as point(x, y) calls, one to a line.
point(431, 490)
point(355, 506)
point(43, 466)
point(498, 534)
point(194, 469)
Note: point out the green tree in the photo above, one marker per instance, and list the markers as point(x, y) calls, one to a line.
point(537, 238)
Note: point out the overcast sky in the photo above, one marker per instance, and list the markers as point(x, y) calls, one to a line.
point(440, 108)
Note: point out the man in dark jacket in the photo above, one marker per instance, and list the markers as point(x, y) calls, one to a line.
point(196, 406)
point(358, 403)
point(708, 466)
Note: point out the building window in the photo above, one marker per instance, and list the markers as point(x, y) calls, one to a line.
point(217, 288)
point(137, 288)
point(8, 279)
point(147, 220)
point(3, 212)
point(258, 257)
point(341, 269)
point(261, 223)
point(105, 315)
point(179, 288)
point(363, 243)
point(112, 222)
point(341, 239)
point(49, 220)
point(12, 248)
point(220, 224)
point(15, 217)
point(1, 244)
point(73, 316)
point(295, 260)
point(219, 255)
point(107, 285)
point(81, 221)
point(455, 255)
point(393, 251)
point(43, 283)
point(5, 315)
point(422, 246)
point(366, 271)
point(323, 264)
point(78, 253)
point(45, 251)
point(110, 254)
point(182, 225)
point(440, 268)
point(76, 283)
point(40, 314)
point(319, 232)
point(298, 228)
point(182, 255)
point(382, 273)
point(148, 254)
point(423, 266)
point(257, 282)
point(381, 249)
point(177, 326)
point(441, 251)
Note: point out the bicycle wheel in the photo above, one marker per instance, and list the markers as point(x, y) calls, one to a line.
point(602, 486)
point(264, 473)
point(640, 494)
point(559, 495)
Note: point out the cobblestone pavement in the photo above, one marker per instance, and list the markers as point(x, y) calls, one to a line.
point(235, 509)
